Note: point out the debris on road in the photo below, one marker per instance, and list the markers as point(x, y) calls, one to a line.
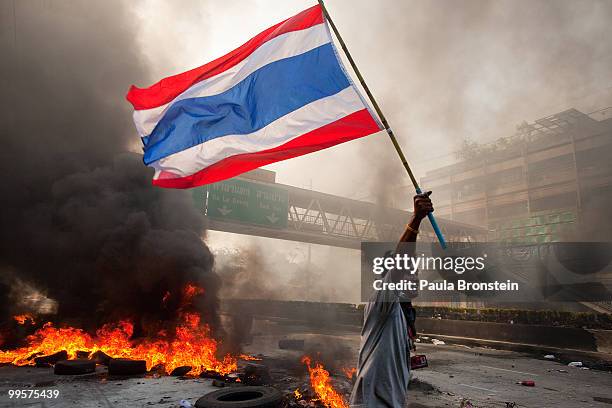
point(124, 366)
point(232, 378)
point(218, 383)
point(418, 361)
point(527, 383)
point(47, 361)
point(185, 404)
point(575, 364)
point(466, 404)
point(74, 367)
point(417, 384)
point(256, 374)
point(180, 371)
point(549, 357)
point(437, 342)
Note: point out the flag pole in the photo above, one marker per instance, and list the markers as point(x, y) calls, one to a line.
point(398, 149)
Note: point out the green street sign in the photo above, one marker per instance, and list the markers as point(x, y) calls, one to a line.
point(253, 203)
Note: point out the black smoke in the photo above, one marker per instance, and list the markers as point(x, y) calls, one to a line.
point(81, 223)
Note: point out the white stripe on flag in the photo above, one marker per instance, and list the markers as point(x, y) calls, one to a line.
point(284, 46)
point(282, 130)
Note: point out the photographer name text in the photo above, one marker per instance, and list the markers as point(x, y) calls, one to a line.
point(444, 286)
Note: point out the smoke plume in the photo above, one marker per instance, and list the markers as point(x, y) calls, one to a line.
point(446, 71)
point(81, 223)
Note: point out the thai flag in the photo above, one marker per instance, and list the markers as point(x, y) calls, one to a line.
point(282, 94)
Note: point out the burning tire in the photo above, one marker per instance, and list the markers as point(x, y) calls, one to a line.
point(180, 371)
point(242, 397)
point(47, 361)
point(100, 357)
point(124, 366)
point(74, 367)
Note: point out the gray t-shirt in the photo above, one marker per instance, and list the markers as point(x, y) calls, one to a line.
point(383, 372)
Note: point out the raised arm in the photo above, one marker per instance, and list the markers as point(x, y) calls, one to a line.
point(422, 207)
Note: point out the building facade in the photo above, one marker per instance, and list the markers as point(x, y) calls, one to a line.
point(552, 181)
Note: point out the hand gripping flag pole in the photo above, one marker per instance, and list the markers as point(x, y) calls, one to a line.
point(398, 149)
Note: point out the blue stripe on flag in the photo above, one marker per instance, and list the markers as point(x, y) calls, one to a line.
point(263, 97)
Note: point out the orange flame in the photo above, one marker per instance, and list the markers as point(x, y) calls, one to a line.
point(321, 385)
point(246, 357)
point(349, 372)
point(21, 319)
point(190, 345)
point(190, 292)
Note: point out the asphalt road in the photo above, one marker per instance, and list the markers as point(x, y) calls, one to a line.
point(485, 377)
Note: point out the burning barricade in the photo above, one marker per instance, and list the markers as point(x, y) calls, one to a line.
point(185, 348)
point(189, 344)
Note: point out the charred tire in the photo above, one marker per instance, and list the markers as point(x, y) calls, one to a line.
point(99, 357)
point(74, 367)
point(47, 361)
point(124, 366)
point(180, 371)
point(242, 397)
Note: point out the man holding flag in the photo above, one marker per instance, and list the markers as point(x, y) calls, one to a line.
point(282, 94)
point(384, 355)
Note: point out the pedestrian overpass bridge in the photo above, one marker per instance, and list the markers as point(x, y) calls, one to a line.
point(256, 205)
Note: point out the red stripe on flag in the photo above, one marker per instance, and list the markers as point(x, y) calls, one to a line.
point(169, 88)
point(353, 126)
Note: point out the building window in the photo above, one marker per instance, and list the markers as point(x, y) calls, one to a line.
point(508, 210)
point(554, 202)
point(504, 178)
point(476, 217)
point(550, 170)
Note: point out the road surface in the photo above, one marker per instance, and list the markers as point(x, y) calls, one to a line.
point(485, 377)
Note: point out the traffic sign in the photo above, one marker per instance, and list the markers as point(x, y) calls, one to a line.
point(244, 201)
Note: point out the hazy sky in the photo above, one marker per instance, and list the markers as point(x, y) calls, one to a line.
point(442, 70)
